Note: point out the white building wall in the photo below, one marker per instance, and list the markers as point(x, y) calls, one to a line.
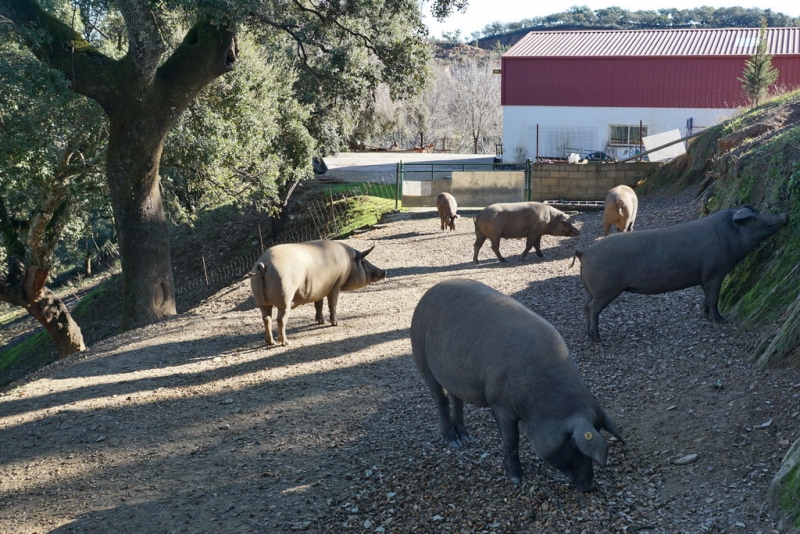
point(585, 129)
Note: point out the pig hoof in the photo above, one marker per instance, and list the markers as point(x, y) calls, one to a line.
point(518, 480)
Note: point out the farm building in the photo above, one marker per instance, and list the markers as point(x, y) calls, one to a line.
point(601, 90)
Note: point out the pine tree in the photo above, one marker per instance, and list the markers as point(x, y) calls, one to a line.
point(758, 73)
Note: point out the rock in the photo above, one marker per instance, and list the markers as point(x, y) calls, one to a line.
point(783, 493)
point(689, 458)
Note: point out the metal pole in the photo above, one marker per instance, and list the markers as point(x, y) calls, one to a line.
point(397, 183)
point(537, 141)
point(529, 179)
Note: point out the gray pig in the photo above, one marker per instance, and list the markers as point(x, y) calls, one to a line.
point(495, 352)
point(511, 220)
point(699, 252)
point(619, 209)
point(446, 206)
point(289, 275)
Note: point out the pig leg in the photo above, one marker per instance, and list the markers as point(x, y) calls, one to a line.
point(479, 240)
point(458, 420)
point(283, 316)
point(606, 228)
point(319, 317)
point(442, 405)
point(333, 298)
point(593, 308)
point(712, 289)
point(266, 315)
point(534, 241)
point(507, 423)
point(496, 248)
point(441, 219)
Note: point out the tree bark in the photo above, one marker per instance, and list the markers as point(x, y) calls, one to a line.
point(24, 287)
point(142, 101)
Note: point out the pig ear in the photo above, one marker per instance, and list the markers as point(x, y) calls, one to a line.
point(611, 426)
point(361, 255)
point(744, 213)
point(591, 443)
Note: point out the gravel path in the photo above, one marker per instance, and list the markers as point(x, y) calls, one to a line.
point(193, 425)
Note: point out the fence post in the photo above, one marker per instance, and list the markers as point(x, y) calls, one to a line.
point(397, 182)
point(528, 179)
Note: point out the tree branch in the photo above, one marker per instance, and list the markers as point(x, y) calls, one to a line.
point(60, 47)
point(145, 45)
point(206, 53)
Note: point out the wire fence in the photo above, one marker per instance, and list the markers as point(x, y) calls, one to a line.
point(326, 217)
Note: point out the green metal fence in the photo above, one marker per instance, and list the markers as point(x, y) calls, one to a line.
point(444, 171)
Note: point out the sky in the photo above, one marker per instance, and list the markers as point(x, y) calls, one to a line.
point(483, 12)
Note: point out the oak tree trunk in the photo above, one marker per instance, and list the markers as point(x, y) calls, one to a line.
point(24, 287)
point(134, 151)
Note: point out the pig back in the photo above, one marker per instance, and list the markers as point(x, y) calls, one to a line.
point(302, 272)
point(487, 348)
point(513, 219)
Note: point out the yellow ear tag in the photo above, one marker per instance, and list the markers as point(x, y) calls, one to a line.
point(588, 436)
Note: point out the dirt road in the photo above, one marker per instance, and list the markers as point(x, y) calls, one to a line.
point(193, 425)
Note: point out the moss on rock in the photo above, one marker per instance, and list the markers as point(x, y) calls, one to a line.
point(784, 492)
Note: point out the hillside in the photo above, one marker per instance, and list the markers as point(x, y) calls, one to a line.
point(754, 159)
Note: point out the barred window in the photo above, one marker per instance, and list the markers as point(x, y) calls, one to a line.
point(625, 135)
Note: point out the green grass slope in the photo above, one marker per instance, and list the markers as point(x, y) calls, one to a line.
point(755, 159)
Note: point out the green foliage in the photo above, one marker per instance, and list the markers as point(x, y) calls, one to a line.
point(240, 141)
point(620, 19)
point(758, 74)
point(51, 146)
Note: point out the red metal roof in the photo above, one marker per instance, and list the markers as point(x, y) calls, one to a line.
point(649, 43)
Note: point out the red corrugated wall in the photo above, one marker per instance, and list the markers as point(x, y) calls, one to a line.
point(662, 82)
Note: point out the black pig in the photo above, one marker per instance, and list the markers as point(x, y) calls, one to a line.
point(495, 352)
point(699, 252)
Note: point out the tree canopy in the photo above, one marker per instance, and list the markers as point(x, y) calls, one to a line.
point(145, 62)
point(617, 18)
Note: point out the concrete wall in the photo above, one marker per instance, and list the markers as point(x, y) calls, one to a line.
point(549, 181)
point(587, 128)
point(477, 189)
point(591, 181)
point(429, 188)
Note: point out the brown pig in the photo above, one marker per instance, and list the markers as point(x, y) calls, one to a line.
point(289, 275)
point(511, 220)
point(620, 209)
point(446, 206)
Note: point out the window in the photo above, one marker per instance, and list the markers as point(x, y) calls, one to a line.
point(623, 135)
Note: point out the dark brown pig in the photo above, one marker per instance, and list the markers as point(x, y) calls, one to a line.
point(286, 276)
point(512, 220)
point(497, 353)
point(699, 252)
point(619, 209)
point(446, 206)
